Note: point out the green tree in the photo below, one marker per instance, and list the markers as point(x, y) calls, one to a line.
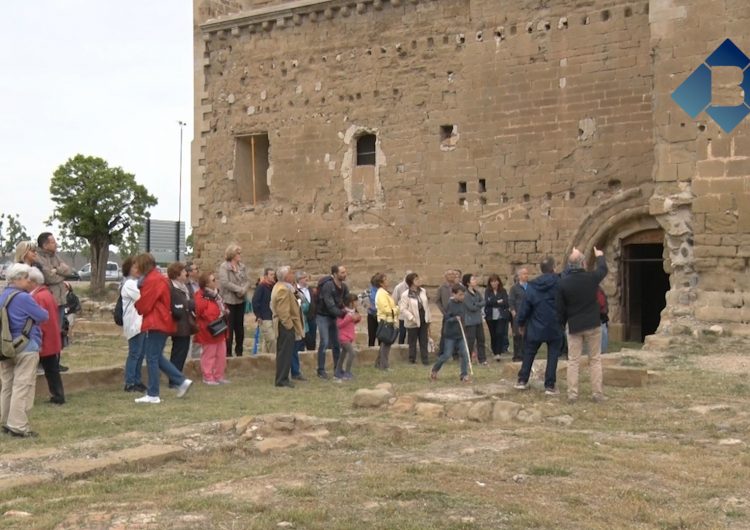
point(189, 244)
point(12, 232)
point(101, 204)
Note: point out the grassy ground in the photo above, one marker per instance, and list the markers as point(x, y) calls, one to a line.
point(643, 459)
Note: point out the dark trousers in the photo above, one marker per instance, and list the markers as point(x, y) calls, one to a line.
point(312, 332)
point(372, 328)
point(517, 347)
point(51, 365)
point(475, 334)
point(401, 332)
point(498, 336)
point(284, 352)
point(180, 349)
point(418, 334)
point(236, 324)
point(529, 352)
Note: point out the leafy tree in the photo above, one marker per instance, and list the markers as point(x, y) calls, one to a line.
point(12, 232)
point(70, 243)
point(189, 244)
point(101, 204)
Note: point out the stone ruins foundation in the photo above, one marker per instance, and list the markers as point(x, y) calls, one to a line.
point(478, 134)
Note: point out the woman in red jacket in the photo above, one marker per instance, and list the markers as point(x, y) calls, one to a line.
point(208, 308)
point(49, 352)
point(155, 305)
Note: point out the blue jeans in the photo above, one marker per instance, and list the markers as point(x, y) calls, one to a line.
point(449, 346)
point(605, 337)
point(153, 346)
point(134, 362)
point(530, 348)
point(329, 337)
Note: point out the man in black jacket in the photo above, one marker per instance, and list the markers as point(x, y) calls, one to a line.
point(332, 292)
point(537, 321)
point(578, 307)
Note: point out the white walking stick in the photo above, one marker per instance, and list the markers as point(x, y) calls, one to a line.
point(466, 345)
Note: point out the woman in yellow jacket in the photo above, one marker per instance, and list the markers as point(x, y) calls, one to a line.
point(388, 311)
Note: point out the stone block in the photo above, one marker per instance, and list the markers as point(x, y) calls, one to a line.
point(481, 411)
point(505, 411)
point(458, 411)
point(429, 410)
point(367, 398)
point(529, 415)
point(404, 404)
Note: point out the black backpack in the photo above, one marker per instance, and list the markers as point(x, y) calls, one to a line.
point(117, 312)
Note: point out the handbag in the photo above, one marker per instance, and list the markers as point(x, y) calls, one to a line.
point(217, 327)
point(387, 332)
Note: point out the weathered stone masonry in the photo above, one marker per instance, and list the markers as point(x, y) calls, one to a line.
point(504, 131)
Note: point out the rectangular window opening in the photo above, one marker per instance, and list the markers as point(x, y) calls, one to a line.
point(482, 185)
point(366, 150)
point(462, 187)
point(251, 162)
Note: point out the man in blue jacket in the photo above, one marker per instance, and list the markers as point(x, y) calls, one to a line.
point(538, 322)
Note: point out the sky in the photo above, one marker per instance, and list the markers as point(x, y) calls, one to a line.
point(102, 78)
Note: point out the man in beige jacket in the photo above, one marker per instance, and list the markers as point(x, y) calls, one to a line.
point(287, 323)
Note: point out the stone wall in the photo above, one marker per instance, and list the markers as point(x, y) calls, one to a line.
point(505, 131)
point(701, 173)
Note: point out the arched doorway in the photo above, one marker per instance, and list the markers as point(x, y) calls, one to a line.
point(644, 283)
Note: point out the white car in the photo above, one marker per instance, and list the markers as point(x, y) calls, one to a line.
point(112, 274)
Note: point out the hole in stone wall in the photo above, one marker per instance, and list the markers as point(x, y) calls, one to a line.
point(682, 124)
point(503, 197)
point(628, 12)
point(430, 42)
point(548, 195)
point(413, 45)
point(547, 26)
point(482, 188)
point(605, 15)
point(564, 23)
point(251, 162)
point(483, 200)
point(369, 51)
point(460, 38)
point(366, 150)
point(480, 36)
point(614, 183)
point(445, 39)
point(526, 197)
point(327, 207)
point(498, 34)
point(529, 27)
point(701, 127)
point(446, 131)
point(585, 21)
point(462, 186)
point(580, 132)
point(571, 195)
point(462, 201)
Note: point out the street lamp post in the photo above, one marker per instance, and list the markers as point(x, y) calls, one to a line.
point(179, 196)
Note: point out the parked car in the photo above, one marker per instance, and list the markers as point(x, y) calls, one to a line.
point(112, 274)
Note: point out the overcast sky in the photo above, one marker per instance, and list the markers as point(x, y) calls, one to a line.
point(103, 78)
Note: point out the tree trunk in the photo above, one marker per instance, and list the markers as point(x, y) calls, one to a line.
point(99, 258)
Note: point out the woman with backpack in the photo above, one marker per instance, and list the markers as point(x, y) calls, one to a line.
point(21, 317)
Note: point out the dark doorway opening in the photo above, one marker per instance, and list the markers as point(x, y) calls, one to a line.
point(645, 284)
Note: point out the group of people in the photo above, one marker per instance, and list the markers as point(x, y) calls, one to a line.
point(204, 312)
point(41, 307)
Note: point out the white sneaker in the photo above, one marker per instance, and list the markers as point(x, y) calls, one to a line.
point(521, 386)
point(148, 399)
point(183, 388)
